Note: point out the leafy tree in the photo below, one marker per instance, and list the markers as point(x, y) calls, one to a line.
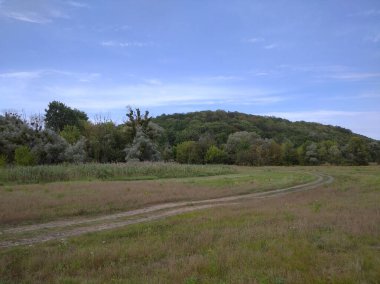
point(76, 153)
point(239, 146)
point(289, 154)
point(374, 151)
point(188, 152)
point(3, 161)
point(106, 141)
point(24, 157)
point(51, 148)
point(135, 120)
point(334, 155)
point(214, 155)
point(168, 153)
point(142, 148)
point(14, 132)
point(58, 115)
point(311, 154)
point(71, 134)
point(357, 151)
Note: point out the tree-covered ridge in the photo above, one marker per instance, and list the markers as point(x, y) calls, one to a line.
point(261, 140)
point(65, 135)
point(220, 124)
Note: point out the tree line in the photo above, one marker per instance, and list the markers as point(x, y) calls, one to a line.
point(66, 135)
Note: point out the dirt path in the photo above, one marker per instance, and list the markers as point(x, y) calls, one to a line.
point(151, 213)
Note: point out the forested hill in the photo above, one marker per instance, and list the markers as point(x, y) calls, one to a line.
point(220, 124)
point(66, 135)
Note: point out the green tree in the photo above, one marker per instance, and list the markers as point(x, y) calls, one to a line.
point(71, 134)
point(58, 115)
point(136, 119)
point(188, 152)
point(289, 154)
point(357, 151)
point(24, 157)
point(142, 148)
point(214, 155)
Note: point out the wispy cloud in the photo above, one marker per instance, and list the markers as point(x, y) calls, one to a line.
point(112, 43)
point(358, 76)
point(51, 73)
point(153, 81)
point(77, 4)
point(21, 75)
point(255, 40)
point(154, 95)
point(29, 17)
point(262, 41)
point(323, 73)
point(217, 79)
point(270, 46)
point(28, 12)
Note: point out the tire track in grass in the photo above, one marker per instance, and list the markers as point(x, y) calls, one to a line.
point(156, 212)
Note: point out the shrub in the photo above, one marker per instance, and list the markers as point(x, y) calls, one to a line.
point(3, 161)
point(214, 155)
point(23, 157)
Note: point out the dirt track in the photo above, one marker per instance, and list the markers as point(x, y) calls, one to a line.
point(75, 227)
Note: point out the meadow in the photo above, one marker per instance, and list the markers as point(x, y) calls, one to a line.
point(330, 234)
point(128, 186)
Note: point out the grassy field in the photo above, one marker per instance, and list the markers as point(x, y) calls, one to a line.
point(325, 235)
point(43, 202)
point(121, 171)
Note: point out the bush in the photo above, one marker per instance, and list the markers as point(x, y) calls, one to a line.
point(23, 157)
point(189, 152)
point(3, 161)
point(214, 155)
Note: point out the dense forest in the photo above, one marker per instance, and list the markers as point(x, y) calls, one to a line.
point(66, 135)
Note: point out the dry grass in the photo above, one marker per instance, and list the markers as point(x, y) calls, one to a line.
point(327, 235)
point(42, 202)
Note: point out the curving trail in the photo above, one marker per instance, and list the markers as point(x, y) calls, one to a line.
point(76, 227)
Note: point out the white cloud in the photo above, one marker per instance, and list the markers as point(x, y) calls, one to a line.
point(112, 43)
point(153, 81)
point(270, 46)
point(29, 17)
point(35, 12)
point(217, 79)
point(153, 95)
point(354, 76)
point(21, 75)
point(77, 4)
point(255, 40)
point(51, 74)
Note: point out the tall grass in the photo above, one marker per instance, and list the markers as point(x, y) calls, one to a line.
point(120, 171)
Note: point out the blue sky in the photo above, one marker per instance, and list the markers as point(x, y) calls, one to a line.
point(296, 59)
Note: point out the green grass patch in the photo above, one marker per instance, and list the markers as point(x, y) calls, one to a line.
point(121, 171)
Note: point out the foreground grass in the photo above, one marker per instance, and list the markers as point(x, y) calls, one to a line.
point(327, 235)
point(44, 202)
point(121, 171)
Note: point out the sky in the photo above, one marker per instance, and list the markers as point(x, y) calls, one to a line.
point(314, 60)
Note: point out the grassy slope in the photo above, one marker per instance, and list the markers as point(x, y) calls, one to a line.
point(327, 235)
